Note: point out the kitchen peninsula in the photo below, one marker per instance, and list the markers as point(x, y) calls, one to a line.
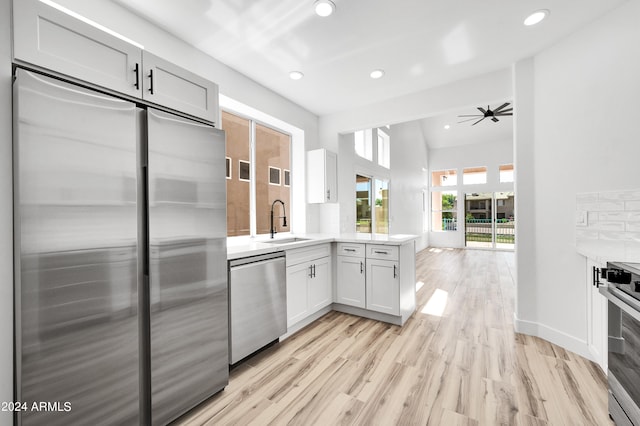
point(372, 276)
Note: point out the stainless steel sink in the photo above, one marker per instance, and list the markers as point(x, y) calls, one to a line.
point(286, 240)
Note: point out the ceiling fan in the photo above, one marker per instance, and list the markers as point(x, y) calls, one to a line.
point(489, 113)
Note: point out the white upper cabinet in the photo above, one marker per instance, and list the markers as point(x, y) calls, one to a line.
point(53, 41)
point(322, 176)
point(48, 38)
point(169, 85)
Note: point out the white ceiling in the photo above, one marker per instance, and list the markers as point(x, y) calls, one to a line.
point(420, 44)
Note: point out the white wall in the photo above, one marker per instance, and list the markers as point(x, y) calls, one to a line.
point(492, 156)
point(6, 216)
point(586, 139)
point(408, 179)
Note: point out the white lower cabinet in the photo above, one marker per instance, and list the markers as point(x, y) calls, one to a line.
point(350, 288)
point(297, 293)
point(383, 286)
point(319, 285)
point(309, 286)
point(597, 333)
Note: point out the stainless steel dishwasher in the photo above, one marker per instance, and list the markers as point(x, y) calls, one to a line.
point(257, 303)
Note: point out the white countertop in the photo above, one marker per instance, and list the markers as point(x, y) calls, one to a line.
point(238, 247)
point(609, 251)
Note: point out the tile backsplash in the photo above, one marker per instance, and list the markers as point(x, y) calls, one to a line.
point(608, 216)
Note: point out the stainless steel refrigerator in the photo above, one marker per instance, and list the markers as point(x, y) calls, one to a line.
point(120, 248)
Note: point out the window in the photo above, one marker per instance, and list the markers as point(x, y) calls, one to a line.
point(238, 131)
point(272, 152)
point(444, 178)
point(381, 217)
point(506, 173)
point(363, 204)
point(474, 175)
point(444, 210)
point(257, 184)
point(287, 178)
point(384, 153)
point(274, 176)
point(244, 173)
point(364, 143)
point(228, 165)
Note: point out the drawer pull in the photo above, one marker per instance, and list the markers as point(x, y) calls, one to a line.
point(380, 252)
point(348, 249)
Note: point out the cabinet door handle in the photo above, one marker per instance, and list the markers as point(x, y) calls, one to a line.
point(361, 267)
point(151, 81)
point(310, 271)
point(314, 270)
point(328, 194)
point(596, 279)
point(137, 71)
point(380, 252)
point(395, 274)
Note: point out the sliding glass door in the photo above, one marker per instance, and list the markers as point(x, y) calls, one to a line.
point(490, 220)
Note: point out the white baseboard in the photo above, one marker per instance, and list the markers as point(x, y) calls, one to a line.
point(554, 336)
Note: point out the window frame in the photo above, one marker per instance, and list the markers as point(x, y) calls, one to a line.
point(229, 167)
point(248, 163)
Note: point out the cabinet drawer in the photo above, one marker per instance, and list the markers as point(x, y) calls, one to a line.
point(306, 254)
point(382, 252)
point(350, 249)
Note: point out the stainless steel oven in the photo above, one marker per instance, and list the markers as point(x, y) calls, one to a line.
point(623, 294)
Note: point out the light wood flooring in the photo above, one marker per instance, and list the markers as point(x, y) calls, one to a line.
point(466, 367)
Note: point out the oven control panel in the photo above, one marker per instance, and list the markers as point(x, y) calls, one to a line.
point(625, 276)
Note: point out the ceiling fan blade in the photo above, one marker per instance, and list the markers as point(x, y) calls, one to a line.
point(468, 119)
point(495, 120)
point(482, 110)
point(503, 114)
point(504, 111)
point(472, 115)
point(478, 121)
point(501, 106)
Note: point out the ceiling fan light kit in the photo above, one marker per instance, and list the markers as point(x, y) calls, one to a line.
point(501, 111)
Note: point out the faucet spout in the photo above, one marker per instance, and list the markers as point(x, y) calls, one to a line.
point(284, 216)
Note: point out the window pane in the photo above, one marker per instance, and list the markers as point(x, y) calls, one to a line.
point(228, 165)
point(363, 204)
point(444, 206)
point(272, 152)
point(287, 178)
point(444, 178)
point(364, 144)
point(474, 175)
point(506, 173)
point(382, 206)
point(238, 133)
point(274, 175)
point(384, 153)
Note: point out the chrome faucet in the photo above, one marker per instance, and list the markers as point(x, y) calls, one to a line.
point(284, 216)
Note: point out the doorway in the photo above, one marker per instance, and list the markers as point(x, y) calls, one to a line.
point(490, 220)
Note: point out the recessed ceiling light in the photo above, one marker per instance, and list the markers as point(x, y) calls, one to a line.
point(295, 75)
point(324, 7)
point(536, 17)
point(447, 127)
point(376, 74)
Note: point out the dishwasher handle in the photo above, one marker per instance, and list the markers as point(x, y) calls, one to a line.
point(255, 259)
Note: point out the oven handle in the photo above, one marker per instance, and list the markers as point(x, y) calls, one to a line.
point(625, 302)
